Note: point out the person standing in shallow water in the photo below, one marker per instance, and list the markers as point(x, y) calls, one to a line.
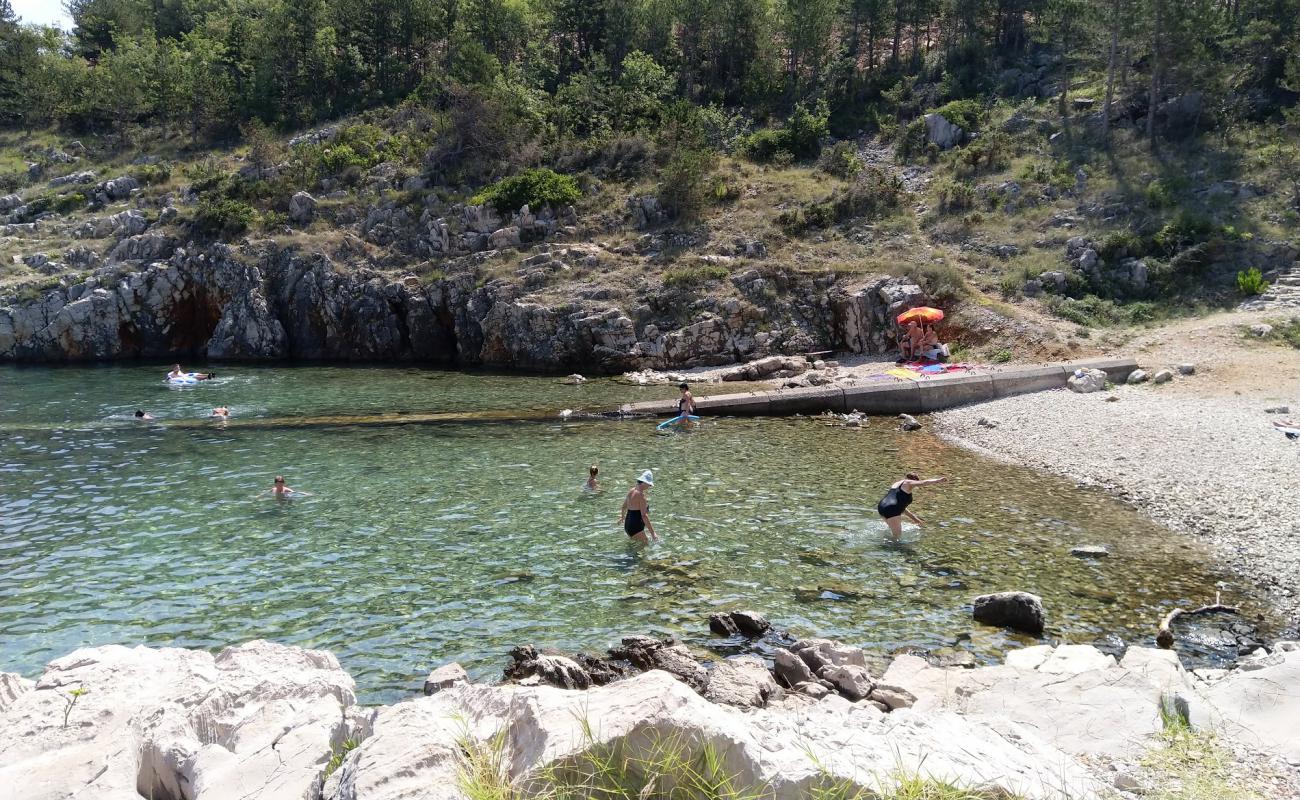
point(635, 516)
point(893, 506)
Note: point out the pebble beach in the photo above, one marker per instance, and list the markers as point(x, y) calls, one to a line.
point(1210, 465)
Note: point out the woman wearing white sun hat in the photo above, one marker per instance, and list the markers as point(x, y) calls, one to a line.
point(635, 516)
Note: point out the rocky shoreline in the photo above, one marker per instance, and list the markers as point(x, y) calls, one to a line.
point(264, 720)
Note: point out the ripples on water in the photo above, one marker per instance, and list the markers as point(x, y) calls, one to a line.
point(424, 543)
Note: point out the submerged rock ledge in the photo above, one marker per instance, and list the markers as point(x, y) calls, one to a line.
point(264, 720)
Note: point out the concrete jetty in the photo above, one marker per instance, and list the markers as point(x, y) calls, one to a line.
point(920, 396)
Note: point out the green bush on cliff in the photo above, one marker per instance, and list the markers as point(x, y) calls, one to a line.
point(965, 114)
point(223, 217)
point(533, 188)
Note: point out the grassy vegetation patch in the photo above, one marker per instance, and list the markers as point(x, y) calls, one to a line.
point(686, 277)
point(662, 767)
point(1192, 765)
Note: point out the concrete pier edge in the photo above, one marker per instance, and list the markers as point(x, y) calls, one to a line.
point(921, 396)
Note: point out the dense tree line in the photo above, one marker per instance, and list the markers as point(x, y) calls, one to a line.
point(585, 67)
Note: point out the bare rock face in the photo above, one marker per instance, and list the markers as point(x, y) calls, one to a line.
point(256, 721)
point(942, 133)
point(416, 750)
point(648, 653)
point(1019, 611)
point(863, 316)
point(302, 208)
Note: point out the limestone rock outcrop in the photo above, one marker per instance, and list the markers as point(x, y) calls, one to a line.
point(256, 721)
point(416, 748)
point(267, 303)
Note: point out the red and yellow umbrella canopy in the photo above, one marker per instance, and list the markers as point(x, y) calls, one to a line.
point(921, 314)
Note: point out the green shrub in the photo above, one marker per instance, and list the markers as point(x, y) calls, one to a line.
point(954, 195)
point(801, 136)
point(685, 187)
point(1183, 231)
point(533, 188)
point(152, 174)
point(223, 217)
point(986, 154)
point(968, 115)
point(841, 160)
point(67, 203)
point(942, 281)
point(806, 128)
point(687, 277)
point(1251, 282)
point(1001, 357)
point(762, 145)
point(1121, 245)
point(1093, 311)
point(911, 140)
point(1162, 193)
point(205, 175)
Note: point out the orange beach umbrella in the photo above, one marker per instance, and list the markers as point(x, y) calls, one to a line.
point(921, 314)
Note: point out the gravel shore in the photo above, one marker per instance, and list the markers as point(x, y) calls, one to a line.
point(1208, 465)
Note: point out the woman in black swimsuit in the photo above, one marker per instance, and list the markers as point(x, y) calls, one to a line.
point(893, 507)
point(635, 516)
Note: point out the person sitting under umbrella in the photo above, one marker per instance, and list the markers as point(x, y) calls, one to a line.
point(909, 341)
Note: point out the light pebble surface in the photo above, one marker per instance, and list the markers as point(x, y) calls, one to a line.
point(1212, 466)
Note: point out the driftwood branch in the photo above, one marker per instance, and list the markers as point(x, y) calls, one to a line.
point(1165, 634)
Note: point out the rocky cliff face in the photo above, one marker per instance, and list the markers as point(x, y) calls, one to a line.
point(262, 302)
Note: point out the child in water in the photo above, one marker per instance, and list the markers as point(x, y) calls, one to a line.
point(592, 485)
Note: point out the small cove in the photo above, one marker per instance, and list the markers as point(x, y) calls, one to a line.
point(458, 539)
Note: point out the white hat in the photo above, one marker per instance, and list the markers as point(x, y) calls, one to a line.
point(647, 477)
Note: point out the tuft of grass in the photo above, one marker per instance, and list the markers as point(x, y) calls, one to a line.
point(1192, 765)
point(340, 753)
point(687, 277)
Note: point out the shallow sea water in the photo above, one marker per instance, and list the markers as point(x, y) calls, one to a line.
point(458, 538)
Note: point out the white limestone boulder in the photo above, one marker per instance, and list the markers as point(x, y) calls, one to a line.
point(258, 721)
point(1073, 696)
point(415, 750)
point(1258, 707)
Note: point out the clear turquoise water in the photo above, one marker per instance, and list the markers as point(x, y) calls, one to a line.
point(458, 539)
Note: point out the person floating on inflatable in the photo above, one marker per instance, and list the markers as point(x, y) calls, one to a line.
point(893, 506)
point(178, 375)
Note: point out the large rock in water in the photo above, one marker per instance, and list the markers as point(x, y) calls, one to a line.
point(416, 750)
point(256, 721)
point(1019, 611)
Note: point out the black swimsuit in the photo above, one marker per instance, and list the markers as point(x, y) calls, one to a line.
point(894, 503)
point(634, 523)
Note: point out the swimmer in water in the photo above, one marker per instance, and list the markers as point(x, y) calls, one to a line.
point(221, 412)
point(592, 485)
point(281, 490)
point(893, 507)
point(141, 415)
point(635, 516)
